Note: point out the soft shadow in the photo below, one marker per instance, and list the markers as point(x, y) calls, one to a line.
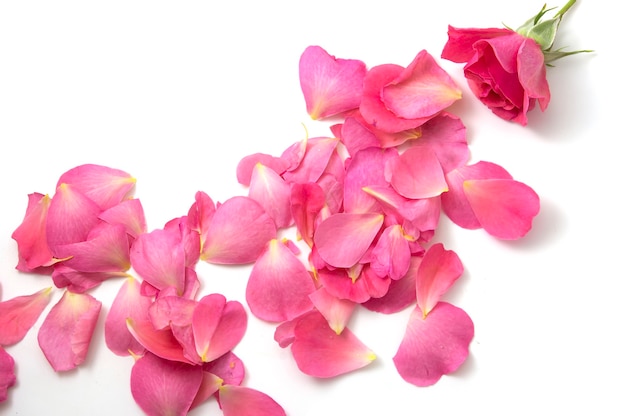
point(548, 225)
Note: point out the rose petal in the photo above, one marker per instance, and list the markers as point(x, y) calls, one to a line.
point(321, 352)
point(128, 303)
point(7, 373)
point(435, 345)
point(238, 233)
point(19, 314)
point(343, 238)
point(438, 271)
point(270, 190)
point(30, 235)
point(244, 401)
point(330, 85)
point(65, 334)
point(162, 387)
point(279, 285)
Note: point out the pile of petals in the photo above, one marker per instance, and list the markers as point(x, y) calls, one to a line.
point(366, 201)
point(363, 202)
point(91, 230)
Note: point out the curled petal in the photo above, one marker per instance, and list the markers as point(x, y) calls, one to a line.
point(238, 233)
point(78, 281)
point(317, 156)
point(228, 367)
point(105, 250)
point(307, 200)
point(330, 85)
point(357, 284)
point(200, 214)
point(19, 314)
point(30, 235)
point(401, 293)
point(247, 164)
point(128, 303)
point(65, 334)
point(343, 238)
point(438, 271)
point(435, 345)
point(273, 193)
point(392, 254)
point(422, 90)
point(244, 401)
point(279, 285)
point(103, 185)
point(336, 311)
point(162, 387)
point(321, 352)
point(128, 213)
point(7, 373)
point(160, 342)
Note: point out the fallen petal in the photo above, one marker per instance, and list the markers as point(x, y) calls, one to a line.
point(244, 401)
point(238, 233)
point(336, 311)
point(19, 314)
point(65, 334)
point(438, 271)
point(128, 303)
point(343, 238)
point(30, 235)
point(434, 346)
point(7, 373)
point(321, 352)
point(162, 387)
point(279, 285)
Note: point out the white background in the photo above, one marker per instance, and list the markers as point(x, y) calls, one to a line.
point(175, 93)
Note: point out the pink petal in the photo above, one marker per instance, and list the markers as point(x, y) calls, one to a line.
point(274, 194)
point(209, 387)
point(330, 85)
point(205, 319)
point(228, 367)
point(434, 346)
point(316, 157)
point(78, 281)
point(238, 233)
point(105, 250)
point(244, 401)
point(247, 164)
point(459, 47)
point(164, 388)
point(401, 293)
point(532, 72)
point(445, 135)
point(19, 314)
point(160, 342)
point(422, 90)
point(128, 213)
point(30, 235)
point(7, 373)
point(279, 285)
point(342, 239)
point(71, 217)
point(357, 284)
point(171, 310)
point(374, 110)
point(417, 174)
point(336, 311)
point(65, 334)
point(366, 169)
point(128, 303)
point(391, 255)
point(505, 208)
point(321, 352)
point(200, 214)
point(103, 185)
point(438, 271)
point(228, 332)
point(455, 203)
point(159, 258)
point(307, 200)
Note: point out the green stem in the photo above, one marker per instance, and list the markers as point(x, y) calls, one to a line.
point(564, 9)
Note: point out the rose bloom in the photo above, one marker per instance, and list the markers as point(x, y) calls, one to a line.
point(504, 69)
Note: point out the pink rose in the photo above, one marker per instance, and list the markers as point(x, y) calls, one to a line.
point(504, 69)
